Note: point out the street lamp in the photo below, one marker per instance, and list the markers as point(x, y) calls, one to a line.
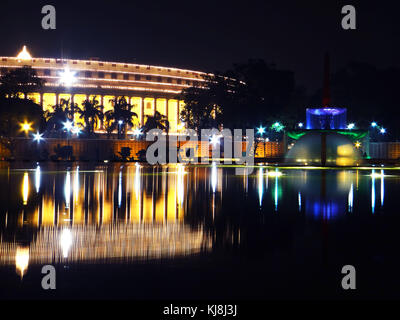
point(351, 126)
point(373, 124)
point(120, 122)
point(383, 130)
point(300, 125)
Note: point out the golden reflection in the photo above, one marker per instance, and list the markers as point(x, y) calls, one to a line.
point(133, 212)
point(65, 241)
point(21, 260)
point(25, 188)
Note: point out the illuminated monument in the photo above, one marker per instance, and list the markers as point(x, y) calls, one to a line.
point(327, 139)
point(148, 88)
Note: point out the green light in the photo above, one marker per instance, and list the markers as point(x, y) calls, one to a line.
point(277, 126)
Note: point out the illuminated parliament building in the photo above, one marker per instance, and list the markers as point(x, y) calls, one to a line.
point(148, 88)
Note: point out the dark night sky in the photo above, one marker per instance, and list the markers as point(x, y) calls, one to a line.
point(207, 35)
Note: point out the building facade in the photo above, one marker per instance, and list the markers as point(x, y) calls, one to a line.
point(148, 88)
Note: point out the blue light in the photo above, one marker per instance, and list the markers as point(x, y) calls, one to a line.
point(373, 124)
point(383, 130)
point(38, 137)
point(261, 130)
point(68, 125)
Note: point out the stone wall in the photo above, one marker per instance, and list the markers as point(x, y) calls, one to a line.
point(105, 149)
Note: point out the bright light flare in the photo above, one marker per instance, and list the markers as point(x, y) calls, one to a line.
point(383, 130)
point(68, 125)
point(374, 124)
point(351, 126)
point(67, 77)
point(274, 173)
point(26, 126)
point(38, 137)
point(261, 130)
point(21, 260)
point(66, 242)
point(137, 132)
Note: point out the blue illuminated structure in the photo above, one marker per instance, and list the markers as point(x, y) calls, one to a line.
point(326, 118)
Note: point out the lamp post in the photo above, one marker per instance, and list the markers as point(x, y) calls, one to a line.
point(120, 122)
point(68, 126)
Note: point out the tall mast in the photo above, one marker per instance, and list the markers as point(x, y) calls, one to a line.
point(326, 95)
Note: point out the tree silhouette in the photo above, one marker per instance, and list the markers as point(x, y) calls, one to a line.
point(91, 113)
point(158, 121)
point(120, 117)
point(21, 80)
point(62, 112)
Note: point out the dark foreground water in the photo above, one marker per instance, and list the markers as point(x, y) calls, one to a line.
point(179, 232)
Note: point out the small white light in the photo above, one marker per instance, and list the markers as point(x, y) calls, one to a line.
point(137, 132)
point(261, 130)
point(214, 140)
point(38, 136)
point(68, 125)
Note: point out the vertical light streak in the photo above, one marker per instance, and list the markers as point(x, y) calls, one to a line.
point(373, 191)
point(299, 200)
point(260, 186)
point(382, 187)
point(120, 189)
point(276, 190)
point(181, 184)
point(67, 189)
point(214, 177)
point(25, 188)
point(137, 181)
point(66, 242)
point(350, 198)
point(37, 178)
point(76, 184)
point(22, 260)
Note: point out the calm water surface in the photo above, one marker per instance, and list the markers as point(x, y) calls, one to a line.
point(133, 231)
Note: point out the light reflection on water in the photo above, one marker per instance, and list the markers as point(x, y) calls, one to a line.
point(130, 212)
